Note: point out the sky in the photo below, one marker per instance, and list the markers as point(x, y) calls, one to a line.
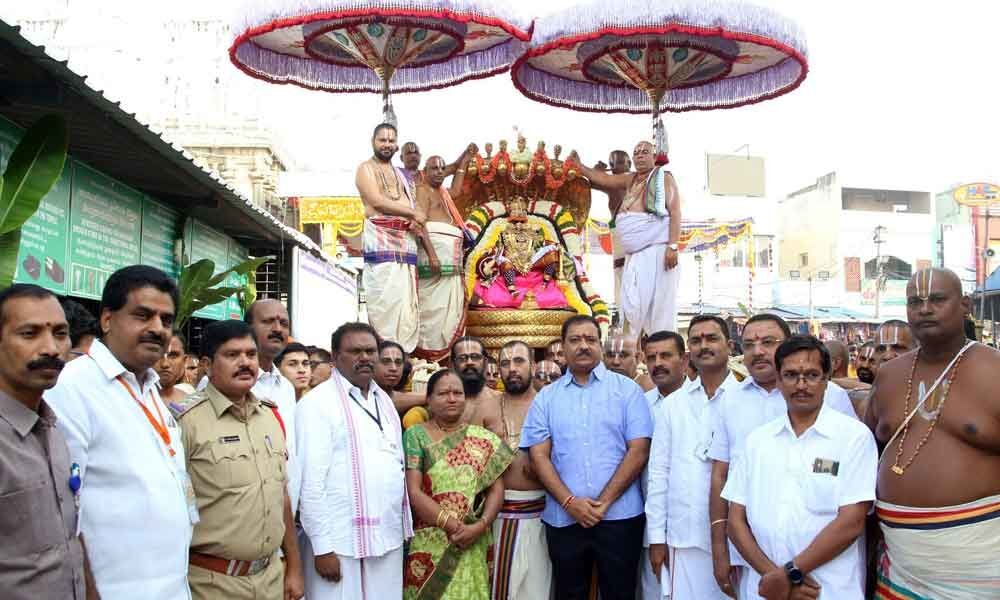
point(900, 95)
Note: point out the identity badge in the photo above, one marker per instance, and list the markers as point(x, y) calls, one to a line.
point(826, 465)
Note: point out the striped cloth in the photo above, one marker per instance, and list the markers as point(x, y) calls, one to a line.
point(388, 240)
point(521, 566)
point(939, 553)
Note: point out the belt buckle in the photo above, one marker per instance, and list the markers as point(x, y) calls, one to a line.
point(258, 565)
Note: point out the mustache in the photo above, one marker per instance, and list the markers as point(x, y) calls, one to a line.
point(276, 336)
point(46, 362)
point(244, 371)
point(661, 371)
point(153, 338)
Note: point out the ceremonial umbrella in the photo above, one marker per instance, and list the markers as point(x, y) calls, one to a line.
point(375, 45)
point(648, 56)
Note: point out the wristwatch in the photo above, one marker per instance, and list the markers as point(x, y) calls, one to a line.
point(794, 574)
point(674, 246)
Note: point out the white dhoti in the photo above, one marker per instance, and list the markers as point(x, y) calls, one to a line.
point(648, 291)
point(390, 280)
point(441, 298)
point(692, 576)
point(522, 569)
point(374, 578)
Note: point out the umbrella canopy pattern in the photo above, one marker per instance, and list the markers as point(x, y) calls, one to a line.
point(375, 46)
point(645, 56)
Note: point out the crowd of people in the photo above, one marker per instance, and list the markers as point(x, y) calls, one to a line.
point(734, 462)
point(622, 467)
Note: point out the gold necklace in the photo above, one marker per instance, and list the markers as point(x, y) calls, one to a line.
point(394, 195)
point(896, 467)
point(447, 429)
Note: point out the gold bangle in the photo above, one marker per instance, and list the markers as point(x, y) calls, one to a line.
point(717, 521)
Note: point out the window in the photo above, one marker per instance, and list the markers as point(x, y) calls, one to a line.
point(804, 259)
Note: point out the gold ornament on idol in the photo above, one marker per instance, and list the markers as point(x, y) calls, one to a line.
point(896, 467)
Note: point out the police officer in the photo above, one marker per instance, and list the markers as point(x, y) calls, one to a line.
point(235, 447)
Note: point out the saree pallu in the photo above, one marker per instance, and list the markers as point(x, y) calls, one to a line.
point(456, 471)
point(939, 553)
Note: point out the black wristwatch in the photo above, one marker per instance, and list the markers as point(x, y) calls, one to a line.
point(794, 574)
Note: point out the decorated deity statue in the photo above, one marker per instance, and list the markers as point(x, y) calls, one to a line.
point(489, 150)
point(525, 260)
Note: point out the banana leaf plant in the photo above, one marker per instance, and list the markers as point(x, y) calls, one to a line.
point(200, 288)
point(34, 167)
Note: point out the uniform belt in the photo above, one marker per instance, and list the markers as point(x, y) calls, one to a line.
point(237, 568)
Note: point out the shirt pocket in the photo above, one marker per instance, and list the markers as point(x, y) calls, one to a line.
point(820, 492)
point(234, 464)
point(26, 527)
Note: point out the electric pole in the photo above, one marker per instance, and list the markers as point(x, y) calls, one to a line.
point(878, 268)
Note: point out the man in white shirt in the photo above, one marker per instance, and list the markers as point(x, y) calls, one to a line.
point(799, 493)
point(269, 320)
point(680, 469)
point(754, 402)
point(137, 507)
point(353, 508)
point(667, 361)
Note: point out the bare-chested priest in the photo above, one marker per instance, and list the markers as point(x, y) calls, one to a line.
point(521, 566)
point(937, 412)
point(392, 221)
point(482, 403)
point(440, 285)
point(648, 229)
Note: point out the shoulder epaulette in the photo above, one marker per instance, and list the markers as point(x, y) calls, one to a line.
point(268, 402)
point(179, 409)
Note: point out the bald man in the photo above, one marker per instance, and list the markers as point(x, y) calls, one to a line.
point(936, 410)
point(410, 155)
point(440, 289)
point(648, 229)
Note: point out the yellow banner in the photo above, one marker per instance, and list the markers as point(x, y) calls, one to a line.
point(342, 210)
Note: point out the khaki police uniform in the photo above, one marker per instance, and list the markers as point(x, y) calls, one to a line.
point(237, 467)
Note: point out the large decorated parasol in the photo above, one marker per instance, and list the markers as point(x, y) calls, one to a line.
point(650, 56)
point(378, 46)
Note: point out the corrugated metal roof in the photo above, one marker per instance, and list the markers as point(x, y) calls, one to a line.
point(106, 137)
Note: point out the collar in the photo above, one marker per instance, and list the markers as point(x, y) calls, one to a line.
point(109, 364)
point(751, 383)
point(220, 404)
point(22, 418)
point(272, 376)
point(692, 386)
point(597, 373)
point(355, 390)
point(822, 425)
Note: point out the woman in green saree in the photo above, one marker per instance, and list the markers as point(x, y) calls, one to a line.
point(453, 476)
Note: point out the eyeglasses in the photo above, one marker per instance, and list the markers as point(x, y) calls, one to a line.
point(810, 377)
point(467, 357)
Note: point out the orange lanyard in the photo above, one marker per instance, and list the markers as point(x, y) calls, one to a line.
point(157, 424)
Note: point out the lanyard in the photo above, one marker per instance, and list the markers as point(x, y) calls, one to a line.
point(158, 424)
point(377, 417)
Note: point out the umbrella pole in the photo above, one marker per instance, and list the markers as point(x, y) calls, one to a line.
point(388, 114)
point(659, 131)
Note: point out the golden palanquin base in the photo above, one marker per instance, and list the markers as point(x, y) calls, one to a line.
point(534, 327)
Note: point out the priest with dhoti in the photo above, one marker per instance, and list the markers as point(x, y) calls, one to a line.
point(392, 224)
point(440, 285)
point(647, 230)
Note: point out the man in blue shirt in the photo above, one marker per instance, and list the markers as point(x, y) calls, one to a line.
point(588, 434)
